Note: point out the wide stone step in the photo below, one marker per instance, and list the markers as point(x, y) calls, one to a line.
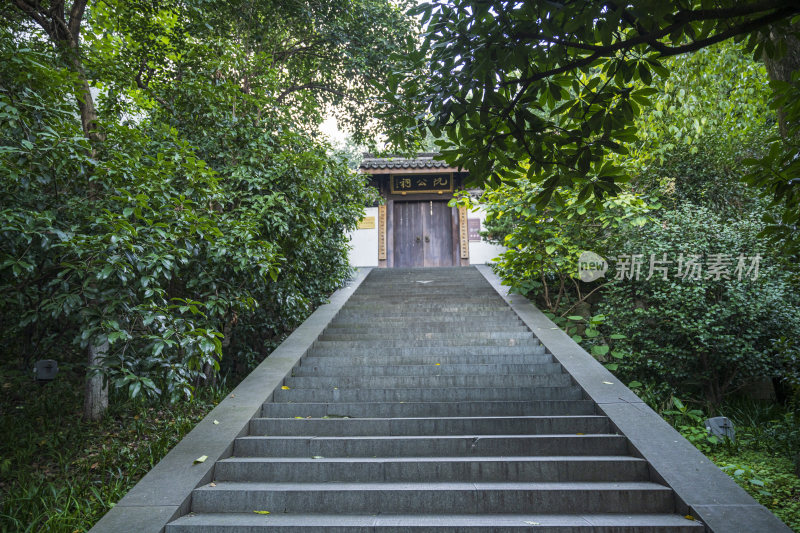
point(413, 284)
point(431, 469)
point(426, 343)
point(429, 350)
point(430, 446)
point(441, 497)
point(413, 319)
point(426, 370)
point(412, 382)
point(500, 425)
point(429, 318)
point(250, 522)
point(369, 335)
point(428, 409)
point(448, 305)
point(427, 395)
point(393, 327)
point(423, 315)
point(435, 360)
point(425, 295)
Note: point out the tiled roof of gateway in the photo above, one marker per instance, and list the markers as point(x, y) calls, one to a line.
point(424, 160)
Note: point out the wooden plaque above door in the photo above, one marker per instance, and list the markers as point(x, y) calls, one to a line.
point(421, 183)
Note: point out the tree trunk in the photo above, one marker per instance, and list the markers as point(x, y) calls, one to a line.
point(782, 68)
point(86, 102)
point(95, 401)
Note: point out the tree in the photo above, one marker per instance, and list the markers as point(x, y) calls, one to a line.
point(702, 335)
point(549, 90)
point(65, 33)
point(167, 205)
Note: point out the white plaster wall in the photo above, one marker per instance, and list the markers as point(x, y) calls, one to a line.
point(364, 243)
point(482, 252)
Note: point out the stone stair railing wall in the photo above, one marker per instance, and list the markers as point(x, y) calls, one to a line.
point(433, 401)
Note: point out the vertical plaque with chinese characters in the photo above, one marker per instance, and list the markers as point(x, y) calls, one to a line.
point(382, 232)
point(421, 183)
point(464, 234)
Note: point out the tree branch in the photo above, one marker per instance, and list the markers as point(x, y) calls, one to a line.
point(32, 11)
point(75, 18)
point(747, 27)
point(651, 39)
point(782, 7)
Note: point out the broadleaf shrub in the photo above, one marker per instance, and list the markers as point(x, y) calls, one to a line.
point(710, 336)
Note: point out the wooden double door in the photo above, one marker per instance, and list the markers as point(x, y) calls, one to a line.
point(423, 234)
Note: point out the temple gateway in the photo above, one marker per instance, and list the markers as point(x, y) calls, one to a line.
point(414, 226)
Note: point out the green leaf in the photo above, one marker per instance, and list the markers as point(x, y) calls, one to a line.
point(600, 350)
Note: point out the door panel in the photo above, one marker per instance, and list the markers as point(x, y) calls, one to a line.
point(423, 234)
point(407, 224)
point(438, 234)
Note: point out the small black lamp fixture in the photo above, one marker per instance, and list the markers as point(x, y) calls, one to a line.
point(45, 370)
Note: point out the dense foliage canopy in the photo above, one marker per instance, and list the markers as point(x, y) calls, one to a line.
point(166, 201)
point(703, 336)
point(550, 90)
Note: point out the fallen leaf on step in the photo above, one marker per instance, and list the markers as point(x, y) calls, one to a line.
point(532, 523)
point(201, 459)
point(216, 422)
point(608, 383)
point(438, 364)
point(689, 517)
point(261, 512)
point(317, 457)
point(212, 484)
point(233, 396)
point(285, 388)
point(580, 433)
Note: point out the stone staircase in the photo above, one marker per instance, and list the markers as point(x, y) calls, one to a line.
point(427, 405)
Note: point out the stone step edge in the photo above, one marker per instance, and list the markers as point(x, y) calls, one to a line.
point(592, 522)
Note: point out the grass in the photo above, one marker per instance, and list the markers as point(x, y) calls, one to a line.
point(61, 474)
point(760, 460)
point(768, 477)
